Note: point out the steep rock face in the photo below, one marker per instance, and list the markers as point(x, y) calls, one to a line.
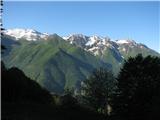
point(97, 45)
point(77, 39)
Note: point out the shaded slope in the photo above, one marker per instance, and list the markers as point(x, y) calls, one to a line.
point(16, 87)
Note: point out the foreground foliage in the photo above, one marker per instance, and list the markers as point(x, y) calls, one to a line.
point(24, 99)
point(138, 94)
point(134, 95)
point(98, 89)
point(16, 87)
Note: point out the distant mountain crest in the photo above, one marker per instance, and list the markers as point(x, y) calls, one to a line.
point(95, 44)
point(28, 34)
point(31, 34)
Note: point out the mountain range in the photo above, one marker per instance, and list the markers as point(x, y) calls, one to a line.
point(58, 63)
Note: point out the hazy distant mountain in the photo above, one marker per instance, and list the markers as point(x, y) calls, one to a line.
point(58, 62)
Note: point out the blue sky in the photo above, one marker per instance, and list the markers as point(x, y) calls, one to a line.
point(118, 20)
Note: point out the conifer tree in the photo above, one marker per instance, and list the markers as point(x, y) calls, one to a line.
point(98, 89)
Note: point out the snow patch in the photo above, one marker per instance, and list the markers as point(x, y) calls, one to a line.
point(28, 34)
point(122, 41)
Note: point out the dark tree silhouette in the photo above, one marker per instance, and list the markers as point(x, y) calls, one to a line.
point(68, 100)
point(16, 87)
point(138, 95)
point(1, 25)
point(97, 90)
point(2, 48)
point(23, 98)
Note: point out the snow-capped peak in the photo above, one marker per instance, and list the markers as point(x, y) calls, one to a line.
point(95, 37)
point(77, 39)
point(28, 34)
point(124, 41)
point(75, 36)
point(96, 45)
point(92, 40)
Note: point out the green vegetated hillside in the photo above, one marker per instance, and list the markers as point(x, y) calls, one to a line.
point(114, 58)
point(53, 63)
